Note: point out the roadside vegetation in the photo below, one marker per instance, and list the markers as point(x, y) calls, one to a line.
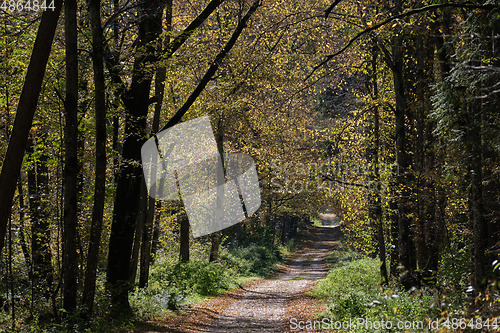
point(354, 291)
point(173, 284)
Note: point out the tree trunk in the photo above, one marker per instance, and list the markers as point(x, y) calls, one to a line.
point(284, 229)
point(405, 240)
point(184, 237)
point(136, 101)
point(25, 111)
point(100, 167)
point(216, 236)
point(393, 218)
point(476, 208)
point(427, 236)
point(71, 159)
point(294, 226)
point(22, 233)
point(214, 249)
point(139, 234)
point(375, 210)
point(156, 232)
point(147, 231)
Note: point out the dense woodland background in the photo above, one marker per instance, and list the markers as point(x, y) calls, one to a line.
point(382, 113)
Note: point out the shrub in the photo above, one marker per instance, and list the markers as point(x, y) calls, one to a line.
point(252, 260)
point(348, 307)
point(172, 282)
point(341, 255)
point(211, 279)
point(148, 304)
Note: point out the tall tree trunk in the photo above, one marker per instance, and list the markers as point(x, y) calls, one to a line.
point(428, 236)
point(116, 149)
point(405, 239)
point(444, 49)
point(22, 233)
point(294, 226)
point(100, 157)
point(156, 232)
point(216, 236)
point(476, 208)
point(393, 218)
point(285, 227)
point(71, 160)
point(139, 234)
point(147, 233)
point(25, 111)
point(214, 248)
point(136, 101)
point(375, 210)
point(146, 230)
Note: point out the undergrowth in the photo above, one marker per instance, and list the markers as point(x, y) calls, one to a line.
point(353, 291)
point(172, 284)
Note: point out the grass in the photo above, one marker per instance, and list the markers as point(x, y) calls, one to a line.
point(341, 255)
point(353, 290)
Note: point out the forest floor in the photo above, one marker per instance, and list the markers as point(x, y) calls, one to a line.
point(263, 305)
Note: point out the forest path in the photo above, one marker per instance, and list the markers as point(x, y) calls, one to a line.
point(263, 307)
point(267, 305)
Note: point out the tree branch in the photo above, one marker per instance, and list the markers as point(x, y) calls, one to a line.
point(332, 6)
point(213, 68)
point(189, 30)
point(387, 55)
point(112, 59)
point(395, 17)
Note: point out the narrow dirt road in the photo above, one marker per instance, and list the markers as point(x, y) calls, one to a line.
point(268, 305)
point(262, 307)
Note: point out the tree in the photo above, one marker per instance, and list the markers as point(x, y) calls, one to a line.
point(184, 237)
point(25, 112)
point(148, 233)
point(71, 158)
point(100, 156)
point(216, 236)
point(375, 209)
point(466, 115)
point(136, 101)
